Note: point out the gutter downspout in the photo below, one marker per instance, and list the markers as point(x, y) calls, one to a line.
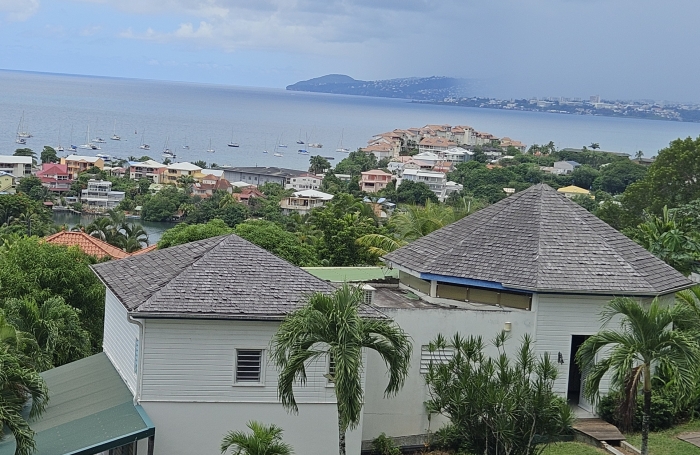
point(137, 394)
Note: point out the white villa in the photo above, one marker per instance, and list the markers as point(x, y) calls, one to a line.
point(188, 329)
point(302, 202)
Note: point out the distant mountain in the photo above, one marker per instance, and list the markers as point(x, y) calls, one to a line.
point(435, 88)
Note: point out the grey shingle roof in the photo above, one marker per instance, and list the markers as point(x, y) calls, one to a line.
point(539, 240)
point(221, 277)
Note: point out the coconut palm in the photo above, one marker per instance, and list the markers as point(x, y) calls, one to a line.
point(645, 337)
point(332, 326)
point(133, 238)
point(379, 244)
point(101, 228)
point(265, 440)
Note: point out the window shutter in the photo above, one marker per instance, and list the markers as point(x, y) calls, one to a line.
point(248, 365)
point(436, 357)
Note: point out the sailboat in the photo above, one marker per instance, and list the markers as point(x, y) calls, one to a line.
point(87, 144)
point(277, 153)
point(72, 147)
point(60, 147)
point(19, 138)
point(340, 148)
point(231, 143)
point(300, 141)
point(210, 150)
point(22, 133)
point(185, 146)
point(114, 133)
point(144, 146)
point(282, 146)
point(166, 151)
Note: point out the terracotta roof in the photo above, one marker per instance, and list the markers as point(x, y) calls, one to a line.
point(89, 244)
point(223, 277)
point(148, 249)
point(538, 240)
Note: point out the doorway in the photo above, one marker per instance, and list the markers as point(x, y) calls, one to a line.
point(574, 391)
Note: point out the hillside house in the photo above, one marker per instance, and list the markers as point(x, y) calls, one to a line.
point(19, 166)
point(99, 195)
point(76, 164)
point(302, 202)
point(7, 182)
point(565, 167)
point(374, 180)
point(306, 181)
point(149, 169)
point(573, 190)
point(176, 170)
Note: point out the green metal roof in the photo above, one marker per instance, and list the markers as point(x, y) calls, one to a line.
point(352, 274)
point(90, 410)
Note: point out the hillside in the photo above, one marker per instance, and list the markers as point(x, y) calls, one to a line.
point(435, 88)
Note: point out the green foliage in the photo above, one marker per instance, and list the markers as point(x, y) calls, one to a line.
point(670, 241)
point(265, 440)
point(26, 152)
point(185, 233)
point(583, 176)
point(163, 205)
point(54, 325)
point(617, 176)
point(334, 326)
point(673, 179)
point(318, 164)
point(411, 192)
point(19, 214)
point(356, 162)
point(585, 201)
point(382, 445)
point(32, 187)
point(496, 405)
point(19, 385)
point(31, 269)
point(413, 221)
point(200, 163)
point(663, 411)
point(273, 238)
point(341, 222)
point(48, 155)
point(448, 437)
point(220, 205)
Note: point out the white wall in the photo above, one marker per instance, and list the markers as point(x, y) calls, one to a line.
point(558, 318)
point(188, 390)
point(405, 414)
point(119, 341)
point(198, 428)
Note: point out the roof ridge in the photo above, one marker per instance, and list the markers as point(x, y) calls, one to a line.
point(538, 263)
point(184, 269)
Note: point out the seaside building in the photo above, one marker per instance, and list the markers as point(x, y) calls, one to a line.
point(374, 180)
point(436, 181)
point(18, 166)
point(99, 195)
point(80, 163)
point(306, 181)
point(55, 177)
point(302, 202)
point(149, 169)
point(208, 184)
point(573, 190)
point(7, 182)
point(565, 167)
point(260, 175)
point(176, 170)
point(435, 144)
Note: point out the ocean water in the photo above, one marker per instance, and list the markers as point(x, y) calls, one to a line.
point(63, 106)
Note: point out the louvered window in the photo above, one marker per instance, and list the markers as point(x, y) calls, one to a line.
point(331, 368)
point(436, 357)
point(249, 366)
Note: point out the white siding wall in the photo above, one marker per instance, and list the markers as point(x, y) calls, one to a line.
point(193, 360)
point(119, 340)
point(558, 318)
point(405, 415)
point(198, 428)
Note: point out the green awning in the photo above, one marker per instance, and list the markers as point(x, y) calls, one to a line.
point(90, 410)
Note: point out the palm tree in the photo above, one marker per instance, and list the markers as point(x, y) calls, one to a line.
point(379, 244)
point(333, 326)
point(415, 221)
point(265, 440)
point(133, 238)
point(645, 337)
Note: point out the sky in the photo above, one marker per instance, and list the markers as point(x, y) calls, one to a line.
point(618, 49)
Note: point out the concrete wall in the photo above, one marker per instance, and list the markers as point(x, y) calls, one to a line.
point(405, 414)
point(119, 341)
point(198, 428)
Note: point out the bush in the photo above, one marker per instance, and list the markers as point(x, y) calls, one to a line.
point(382, 445)
point(446, 438)
point(663, 411)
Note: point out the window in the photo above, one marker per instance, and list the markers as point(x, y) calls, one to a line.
point(436, 357)
point(249, 366)
point(331, 369)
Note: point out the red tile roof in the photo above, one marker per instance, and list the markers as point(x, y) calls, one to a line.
point(87, 243)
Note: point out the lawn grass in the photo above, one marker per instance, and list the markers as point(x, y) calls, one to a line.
point(666, 443)
point(572, 448)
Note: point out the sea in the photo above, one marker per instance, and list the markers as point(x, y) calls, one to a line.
point(190, 118)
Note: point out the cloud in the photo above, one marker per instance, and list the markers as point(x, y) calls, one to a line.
point(19, 10)
point(90, 31)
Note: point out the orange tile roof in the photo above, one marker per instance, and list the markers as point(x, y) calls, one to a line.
point(87, 243)
point(148, 249)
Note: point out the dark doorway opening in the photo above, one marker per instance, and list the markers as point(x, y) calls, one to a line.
point(573, 391)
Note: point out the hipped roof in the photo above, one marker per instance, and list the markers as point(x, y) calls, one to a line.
point(538, 240)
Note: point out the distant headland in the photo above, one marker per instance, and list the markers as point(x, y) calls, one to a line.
point(455, 92)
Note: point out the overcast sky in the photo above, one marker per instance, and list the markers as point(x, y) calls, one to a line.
point(619, 49)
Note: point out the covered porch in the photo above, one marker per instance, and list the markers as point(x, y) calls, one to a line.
point(90, 411)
